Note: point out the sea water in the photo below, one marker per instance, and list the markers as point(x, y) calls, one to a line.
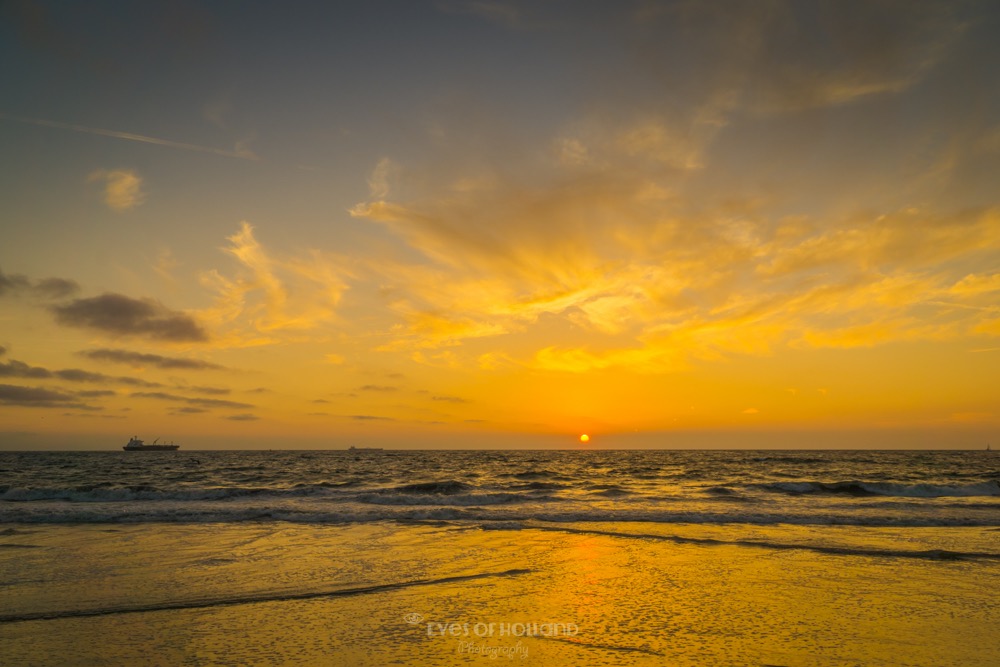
point(447, 557)
point(862, 488)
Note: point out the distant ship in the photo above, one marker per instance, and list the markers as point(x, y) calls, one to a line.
point(137, 445)
point(352, 448)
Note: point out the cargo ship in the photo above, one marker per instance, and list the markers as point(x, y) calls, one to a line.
point(137, 445)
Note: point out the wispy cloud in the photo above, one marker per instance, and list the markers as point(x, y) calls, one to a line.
point(122, 188)
point(274, 294)
point(622, 279)
point(378, 181)
point(197, 402)
point(243, 417)
point(37, 397)
point(242, 152)
point(15, 368)
point(141, 359)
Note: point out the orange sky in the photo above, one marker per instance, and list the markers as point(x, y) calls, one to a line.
point(469, 224)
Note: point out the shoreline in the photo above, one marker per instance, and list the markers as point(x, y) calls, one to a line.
point(425, 594)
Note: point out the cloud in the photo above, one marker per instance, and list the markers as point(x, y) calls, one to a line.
point(243, 417)
point(275, 295)
point(139, 359)
point(241, 151)
point(165, 265)
point(212, 391)
point(377, 388)
point(378, 182)
point(122, 188)
point(55, 288)
point(582, 269)
point(198, 402)
point(121, 315)
point(15, 368)
point(188, 411)
point(46, 288)
point(36, 397)
point(449, 399)
point(785, 56)
point(370, 418)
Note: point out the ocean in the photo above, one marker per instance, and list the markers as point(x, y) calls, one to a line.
point(361, 557)
point(855, 488)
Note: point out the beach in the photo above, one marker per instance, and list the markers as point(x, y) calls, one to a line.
point(466, 558)
point(601, 594)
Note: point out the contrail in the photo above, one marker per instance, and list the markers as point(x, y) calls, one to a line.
point(241, 154)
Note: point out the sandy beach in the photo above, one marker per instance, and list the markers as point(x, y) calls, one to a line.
point(425, 594)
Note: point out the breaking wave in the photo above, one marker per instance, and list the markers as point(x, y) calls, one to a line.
point(990, 488)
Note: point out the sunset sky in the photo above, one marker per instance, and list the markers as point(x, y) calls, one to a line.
point(498, 224)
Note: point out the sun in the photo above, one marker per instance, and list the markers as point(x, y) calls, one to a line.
point(584, 438)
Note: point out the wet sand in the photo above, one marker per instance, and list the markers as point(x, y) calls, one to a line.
point(540, 594)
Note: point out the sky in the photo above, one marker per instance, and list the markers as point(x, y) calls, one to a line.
point(478, 224)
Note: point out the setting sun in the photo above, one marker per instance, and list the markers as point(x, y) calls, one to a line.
point(584, 438)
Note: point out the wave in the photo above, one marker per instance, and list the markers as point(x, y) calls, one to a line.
point(102, 494)
point(929, 554)
point(446, 487)
point(204, 603)
point(467, 509)
point(855, 488)
point(538, 486)
point(465, 499)
point(612, 492)
point(19, 546)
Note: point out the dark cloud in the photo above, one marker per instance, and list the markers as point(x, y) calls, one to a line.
point(56, 288)
point(15, 368)
point(19, 369)
point(377, 387)
point(199, 402)
point(13, 283)
point(122, 315)
point(141, 359)
point(217, 403)
point(187, 411)
point(244, 417)
point(449, 399)
point(77, 375)
point(48, 288)
point(96, 393)
point(135, 382)
point(371, 418)
point(36, 397)
point(212, 391)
